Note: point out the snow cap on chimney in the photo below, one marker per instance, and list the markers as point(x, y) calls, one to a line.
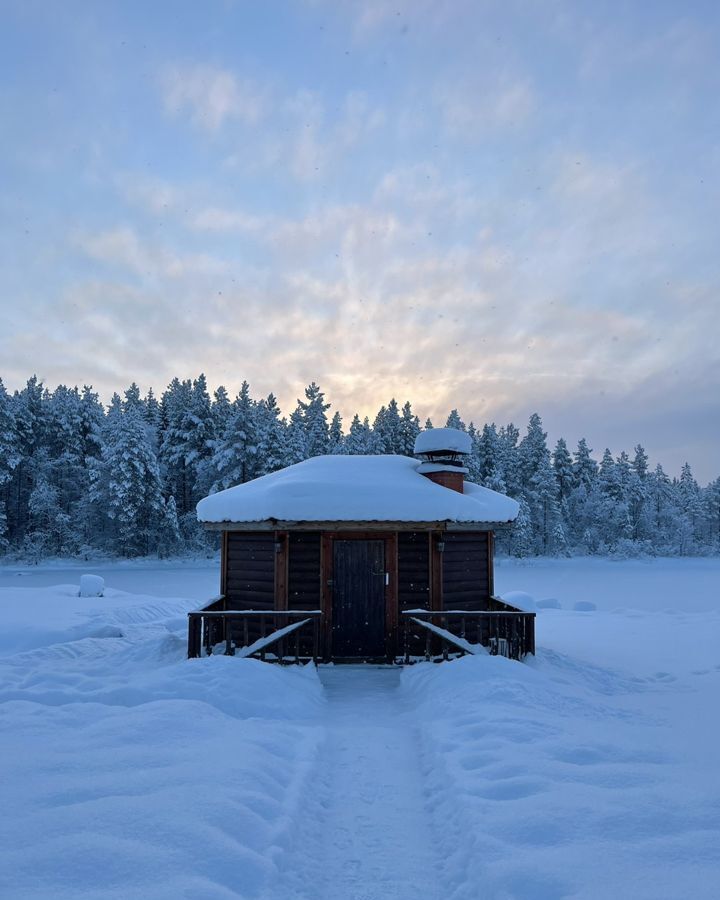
point(443, 452)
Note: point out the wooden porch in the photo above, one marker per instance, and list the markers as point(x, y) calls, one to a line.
point(302, 636)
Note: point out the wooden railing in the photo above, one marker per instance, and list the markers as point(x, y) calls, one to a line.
point(272, 635)
point(505, 632)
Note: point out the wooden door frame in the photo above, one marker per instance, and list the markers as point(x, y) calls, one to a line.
point(390, 540)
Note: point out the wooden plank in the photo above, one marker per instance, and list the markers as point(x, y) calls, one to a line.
point(326, 575)
point(194, 636)
point(491, 562)
point(264, 643)
point(281, 570)
point(223, 562)
point(436, 569)
point(391, 595)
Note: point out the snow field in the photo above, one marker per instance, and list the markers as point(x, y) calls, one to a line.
point(588, 772)
point(130, 771)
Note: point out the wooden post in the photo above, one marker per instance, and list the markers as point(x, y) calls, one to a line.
point(391, 596)
point(282, 556)
point(194, 634)
point(326, 576)
point(491, 563)
point(436, 598)
point(223, 567)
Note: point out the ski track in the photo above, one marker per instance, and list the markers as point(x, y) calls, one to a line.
point(366, 832)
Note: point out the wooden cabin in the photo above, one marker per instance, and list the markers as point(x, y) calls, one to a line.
point(349, 558)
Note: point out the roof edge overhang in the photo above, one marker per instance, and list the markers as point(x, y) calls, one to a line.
point(372, 525)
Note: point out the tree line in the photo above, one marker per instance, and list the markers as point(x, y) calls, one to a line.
point(81, 479)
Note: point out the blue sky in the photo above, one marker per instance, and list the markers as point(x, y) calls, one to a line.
point(499, 206)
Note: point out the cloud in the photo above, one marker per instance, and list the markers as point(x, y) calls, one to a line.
point(122, 248)
point(473, 106)
point(210, 96)
point(215, 218)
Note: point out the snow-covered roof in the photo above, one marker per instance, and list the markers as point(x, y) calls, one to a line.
point(354, 489)
point(436, 439)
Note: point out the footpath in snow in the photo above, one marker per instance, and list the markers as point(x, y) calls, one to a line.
point(365, 831)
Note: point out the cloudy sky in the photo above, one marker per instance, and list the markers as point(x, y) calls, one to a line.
point(500, 206)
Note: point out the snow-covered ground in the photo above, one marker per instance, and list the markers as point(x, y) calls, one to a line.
point(198, 579)
point(590, 771)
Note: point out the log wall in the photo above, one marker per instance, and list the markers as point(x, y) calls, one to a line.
point(250, 570)
point(414, 570)
point(304, 590)
point(465, 570)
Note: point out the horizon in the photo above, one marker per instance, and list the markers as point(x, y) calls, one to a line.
point(503, 208)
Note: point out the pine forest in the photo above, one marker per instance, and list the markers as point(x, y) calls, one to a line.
point(79, 479)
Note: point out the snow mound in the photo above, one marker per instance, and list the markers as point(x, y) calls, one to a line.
point(357, 489)
point(91, 586)
point(584, 606)
point(548, 603)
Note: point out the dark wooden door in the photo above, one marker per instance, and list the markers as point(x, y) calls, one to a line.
point(358, 610)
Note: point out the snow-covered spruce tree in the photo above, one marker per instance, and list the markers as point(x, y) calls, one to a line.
point(563, 468)
point(473, 463)
point(169, 538)
point(336, 438)
point(297, 444)
point(712, 503)
point(508, 460)
point(29, 433)
point(313, 415)
point(153, 414)
point(521, 534)
point(175, 475)
point(49, 528)
point(9, 459)
point(132, 398)
point(387, 429)
point(488, 455)
point(539, 484)
point(126, 489)
point(271, 436)
point(408, 430)
point(691, 503)
point(559, 541)
point(235, 457)
point(584, 466)
point(454, 421)
point(359, 439)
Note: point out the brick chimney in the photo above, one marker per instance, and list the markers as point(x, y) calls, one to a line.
point(453, 480)
point(443, 452)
